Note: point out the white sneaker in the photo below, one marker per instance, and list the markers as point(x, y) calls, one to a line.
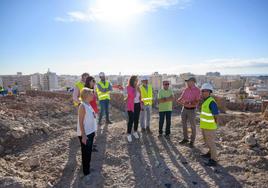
point(129, 138)
point(136, 135)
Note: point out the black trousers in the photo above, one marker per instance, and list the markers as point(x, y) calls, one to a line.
point(86, 150)
point(162, 116)
point(133, 118)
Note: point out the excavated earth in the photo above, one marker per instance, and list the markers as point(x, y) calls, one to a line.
point(39, 148)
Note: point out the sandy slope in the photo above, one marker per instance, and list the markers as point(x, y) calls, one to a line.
point(156, 162)
point(50, 155)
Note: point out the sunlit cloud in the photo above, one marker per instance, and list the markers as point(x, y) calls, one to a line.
point(76, 16)
point(120, 10)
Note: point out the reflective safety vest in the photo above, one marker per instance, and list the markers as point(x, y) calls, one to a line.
point(147, 95)
point(80, 85)
point(103, 95)
point(207, 120)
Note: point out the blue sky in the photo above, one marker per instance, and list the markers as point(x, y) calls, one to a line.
point(134, 36)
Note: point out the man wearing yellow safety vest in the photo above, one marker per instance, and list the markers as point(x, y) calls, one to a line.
point(2, 90)
point(208, 123)
point(147, 100)
point(104, 88)
point(78, 88)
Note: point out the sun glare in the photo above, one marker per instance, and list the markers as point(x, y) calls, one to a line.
point(117, 11)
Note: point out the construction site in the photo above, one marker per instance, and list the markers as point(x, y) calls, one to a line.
point(39, 148)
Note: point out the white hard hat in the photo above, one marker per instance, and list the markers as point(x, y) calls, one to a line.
point(207, 86)
point(101, 74)
point(144, 78)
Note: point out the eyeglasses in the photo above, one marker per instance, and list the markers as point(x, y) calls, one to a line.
point(205, 90)
point(167, 84)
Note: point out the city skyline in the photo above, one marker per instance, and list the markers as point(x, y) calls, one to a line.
point(137, 37)
point(149, 74)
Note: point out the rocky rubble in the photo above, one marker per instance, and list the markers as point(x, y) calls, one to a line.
point(26, 125)
point(23, 117)
point(39, 148)
point(250, 131)
point(244, 144)
point(265, 114)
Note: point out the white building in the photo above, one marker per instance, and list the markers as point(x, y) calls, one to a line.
point(49, 81)
point(156, 81)
point(36, 81)
point(252, 92)
point(53, 81)
point(257, 91)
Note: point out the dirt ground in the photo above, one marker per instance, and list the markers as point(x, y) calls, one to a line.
point(45, 152)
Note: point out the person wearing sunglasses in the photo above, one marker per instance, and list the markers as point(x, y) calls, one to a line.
point(165, 98)
point(208, 123)
point(189, 99)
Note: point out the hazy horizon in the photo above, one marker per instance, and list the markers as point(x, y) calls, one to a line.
point(249, 75)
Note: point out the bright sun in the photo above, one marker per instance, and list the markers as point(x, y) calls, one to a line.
point(117, 11)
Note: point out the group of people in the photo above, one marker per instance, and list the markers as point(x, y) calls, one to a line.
point(139, 100)
point(86, 96)
point(9, 90)
point(139, 103)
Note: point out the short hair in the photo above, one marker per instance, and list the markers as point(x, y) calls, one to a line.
point(85, 93)
point(132, 80)
point(191, 79)
point(85, 75)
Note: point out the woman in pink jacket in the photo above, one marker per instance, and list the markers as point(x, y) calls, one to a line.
point(133, 107)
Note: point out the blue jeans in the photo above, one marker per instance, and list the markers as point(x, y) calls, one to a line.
point(104, 106)
point(162, 116)
point(15, 92)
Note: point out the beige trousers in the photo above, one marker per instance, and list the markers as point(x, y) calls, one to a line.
point(209, 137)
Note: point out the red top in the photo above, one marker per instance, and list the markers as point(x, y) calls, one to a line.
point(191, 94)
point(94, 105)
